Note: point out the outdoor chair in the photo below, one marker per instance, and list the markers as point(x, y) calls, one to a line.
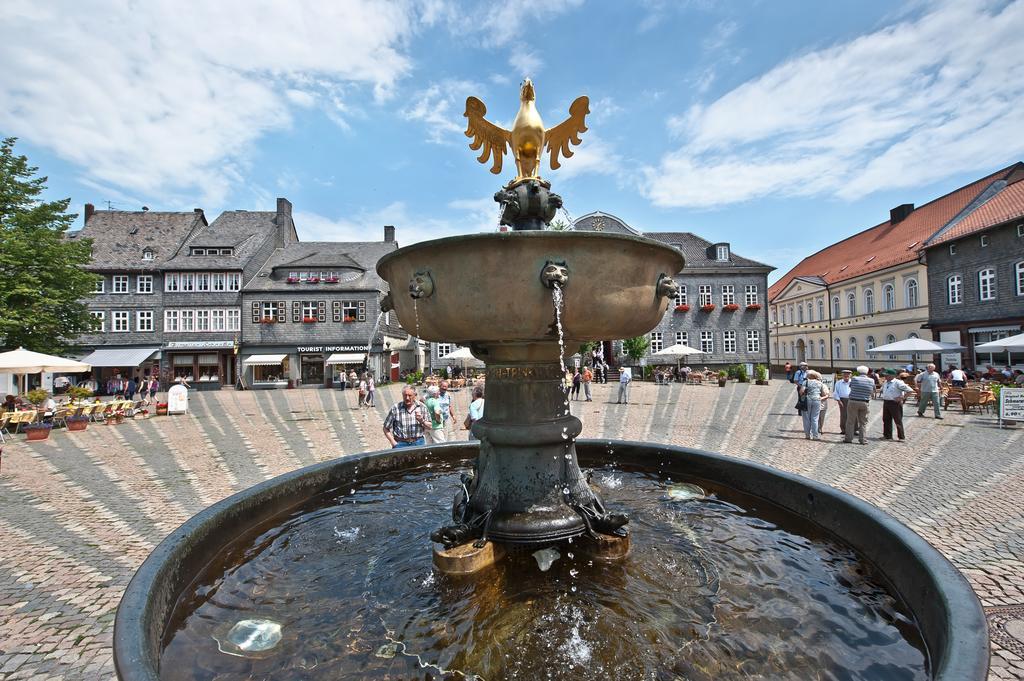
point(952, 395)
point(970, 398)
point(60, 417)
point(5, 418)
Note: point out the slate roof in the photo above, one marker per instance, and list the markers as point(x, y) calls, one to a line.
point(695, 250)
point(1006, 205)
point(360, 255)
point(119, 237)
point(602, 222)
point(887, 245)
point(242, 230)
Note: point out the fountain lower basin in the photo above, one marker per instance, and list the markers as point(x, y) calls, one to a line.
point(935, 595)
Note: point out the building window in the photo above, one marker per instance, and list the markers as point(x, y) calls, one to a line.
point(120, 283)
point(188, 281)
point(100, 317)
point(171, 321)
point(99, 286)
point(217, 320)
point(984, 240)
point(729, 341)
point(911, 293)
point(987, 284)
point(750, 295)
point(837, 349)
point(810, 312)
point(853, 348)
point(681, 295)
point(955, 286)
point(821, 348)
point(810, 350)
point(775, 345)
point(851, 304)
point(656, 343)
point(783, 315)
point(869, 301)
point(268, 310)
point(144, 320)
point(775, 317)
point(890, 339)
point(722, 253)
point(443, 350)
point(728, 294)
point(821, 309)
point(198, 251)
point(202, 281)
point(704, 293)
point(188, 320)
point(888, 297)
point(952, 249)
point(707, 342)
point(799, 314)
point(792, 316)
point(1018, 271)
point(234, 281)
point(835, 307)
point(349, 310)
point(681, 338)
point(147, 254)
point(869, 343)
point(309, 309)
point(144, 283)
point(172, 281)
point(121, 323)
point(234, 319)
point(1020, 229)
point(912, 335)
point(202, 320)
point(219, 281)
point(753, 341)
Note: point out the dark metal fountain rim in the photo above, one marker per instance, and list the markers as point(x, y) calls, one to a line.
point(962, 628)
point(541, 235)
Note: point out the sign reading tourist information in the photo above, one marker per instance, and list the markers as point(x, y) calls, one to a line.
point(1011, 405)
point(330, 348)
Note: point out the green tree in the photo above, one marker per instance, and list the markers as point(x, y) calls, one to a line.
point(42, 280)
point(559, 225)
point(636, 348)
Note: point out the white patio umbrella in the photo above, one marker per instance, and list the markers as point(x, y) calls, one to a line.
point(674, 353)
point(1007, 345)
point(22, 361)
point(916, 346)
point(464, 356)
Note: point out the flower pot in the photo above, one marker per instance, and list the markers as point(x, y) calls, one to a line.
point(161, 409)
point(76, 423)
point(721, 382)
point(37, 432)
point(682, 308)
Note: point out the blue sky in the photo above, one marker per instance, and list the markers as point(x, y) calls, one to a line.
point(779, 126)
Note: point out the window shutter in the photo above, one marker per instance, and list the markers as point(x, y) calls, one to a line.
point(336, 310)
point(256, 312)
point(296, 311)
point(280, 312)
point(362, 310)
point(321, 310)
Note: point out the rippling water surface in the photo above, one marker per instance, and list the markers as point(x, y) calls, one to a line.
point(715, 587)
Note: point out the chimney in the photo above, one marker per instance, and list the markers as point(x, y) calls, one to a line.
point(284, 210)
point(389, 233)
point(900, 213)
point(89, 211)
point(283, 220)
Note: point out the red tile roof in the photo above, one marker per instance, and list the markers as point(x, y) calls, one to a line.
point(887, 244)
point(1003, 207)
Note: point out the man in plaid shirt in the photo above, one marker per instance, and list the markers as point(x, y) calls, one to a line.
point(406, 420)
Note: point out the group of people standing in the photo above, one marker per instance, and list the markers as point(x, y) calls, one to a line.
point(145, 387)
point(366, 385)
point(413, 422)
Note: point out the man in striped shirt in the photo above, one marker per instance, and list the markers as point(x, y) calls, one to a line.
point(861, 388)
point(406, 420)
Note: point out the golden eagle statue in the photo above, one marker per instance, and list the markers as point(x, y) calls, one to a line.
point(528, 137)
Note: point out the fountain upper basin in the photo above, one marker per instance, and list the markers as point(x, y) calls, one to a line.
point(487, 288)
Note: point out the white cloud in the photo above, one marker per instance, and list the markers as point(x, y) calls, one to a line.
point(909, 104)
point(594, 156)
point(498, 24)
point(526, 64)
point(471, 216)
point(158, 100)
point(440, 107)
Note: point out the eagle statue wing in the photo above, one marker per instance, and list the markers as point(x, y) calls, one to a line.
point(558, 138)
point(495, 140)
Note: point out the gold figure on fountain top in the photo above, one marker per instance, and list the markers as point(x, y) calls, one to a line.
point(528, 137)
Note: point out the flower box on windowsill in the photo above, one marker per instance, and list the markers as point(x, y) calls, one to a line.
point(682, 308)
point(753, 308)
point(731, 307)
point(313, 280)
point(309, 320)
point(268, 320)
point(331, 280)
point(707, 308)
point(349, 320)
point(292, 280)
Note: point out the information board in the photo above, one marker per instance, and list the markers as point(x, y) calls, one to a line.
point(1011, 405)
point(177, 399)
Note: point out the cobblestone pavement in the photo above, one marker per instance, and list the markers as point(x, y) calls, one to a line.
point(80, 511)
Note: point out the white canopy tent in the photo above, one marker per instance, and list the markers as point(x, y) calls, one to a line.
point(674, 354)
point(916, 346)
point(464, 356)
point(22, 361)
point(1008, 345)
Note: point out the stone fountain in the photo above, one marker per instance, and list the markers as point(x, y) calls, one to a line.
point(521, 300)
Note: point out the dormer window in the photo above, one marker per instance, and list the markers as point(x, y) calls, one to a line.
point(198, 251)
point(147, 254)
point(722, 252)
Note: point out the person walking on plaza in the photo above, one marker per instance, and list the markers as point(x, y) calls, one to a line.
point(476, 409)
point(813, 391)
point(842, 395)
point(861, 388)
point(799, 378)
point(789, 372)
point(447, 411)
point(625, 377)
point(894, 393)
point(929, 383)
point(130, 388)
point(577, 381)
point(406, 421)
point(362, 391)
point(588, 378)
point(371, 389)
point(154, 386)
point(435, 433)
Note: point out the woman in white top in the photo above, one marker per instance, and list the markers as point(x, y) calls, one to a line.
point(476, 408)
point(814, 391)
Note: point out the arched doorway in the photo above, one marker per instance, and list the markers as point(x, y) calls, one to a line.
point(801, 351)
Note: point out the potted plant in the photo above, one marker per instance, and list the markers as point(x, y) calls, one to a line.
point(309, 320)
point(682, 308)
point(741, 373)
point(753, 308)
point(331, 280)
point(349, 319)
point(707, 308)
point(161, 409)
point(731, 307)
point(761, 374)
point(78, 392)
point(268, 320)
point(313, 280)
point(292, 280)
point(723, 376)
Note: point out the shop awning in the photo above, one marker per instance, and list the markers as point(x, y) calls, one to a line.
point(346, 358)
point(263, 360)
point(123, 357)
point(989, 329)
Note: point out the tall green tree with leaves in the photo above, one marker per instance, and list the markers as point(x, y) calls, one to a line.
point(42, 280)
point(636, 348)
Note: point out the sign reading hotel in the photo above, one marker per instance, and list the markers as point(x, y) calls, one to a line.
point(1011, 405)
